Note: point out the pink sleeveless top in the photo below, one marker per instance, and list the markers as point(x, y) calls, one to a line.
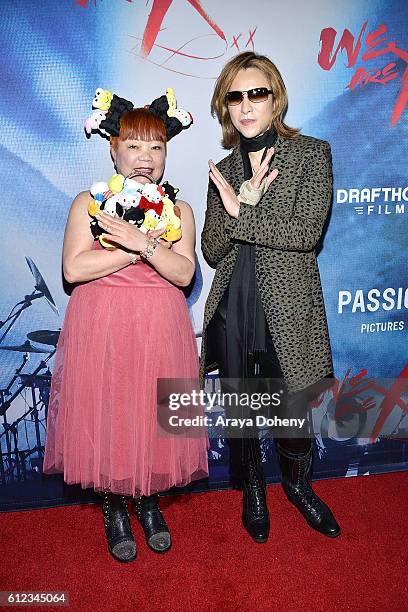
point(141, 274)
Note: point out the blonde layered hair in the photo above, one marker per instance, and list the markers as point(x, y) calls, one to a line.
point(219, 108)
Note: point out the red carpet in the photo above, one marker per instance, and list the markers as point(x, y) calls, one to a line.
point(213, 564)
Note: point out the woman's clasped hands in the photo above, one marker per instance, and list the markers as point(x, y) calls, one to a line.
point(126, 234)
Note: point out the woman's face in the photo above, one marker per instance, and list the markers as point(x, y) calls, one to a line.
point(251, 118)
point(140, 157)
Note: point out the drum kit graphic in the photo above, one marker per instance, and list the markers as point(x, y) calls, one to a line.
point(22, 435)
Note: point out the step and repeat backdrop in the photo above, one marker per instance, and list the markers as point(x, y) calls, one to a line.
point(345, 65)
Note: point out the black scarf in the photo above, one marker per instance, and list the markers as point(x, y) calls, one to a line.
point(250, 145)
point(246, 325)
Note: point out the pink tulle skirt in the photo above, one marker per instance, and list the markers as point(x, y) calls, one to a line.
point(120, 335)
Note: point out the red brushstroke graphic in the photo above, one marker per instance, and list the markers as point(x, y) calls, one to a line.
point(157, 14)
point(377, 44)
point(154, 26)
point(235, 40)
point(327, 58)
point(251, 38)
point(347, 397)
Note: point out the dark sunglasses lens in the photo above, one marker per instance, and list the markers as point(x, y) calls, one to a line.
point(258, 95)
point(234, 97)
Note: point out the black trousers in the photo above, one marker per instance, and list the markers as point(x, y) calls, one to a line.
point(246, 450)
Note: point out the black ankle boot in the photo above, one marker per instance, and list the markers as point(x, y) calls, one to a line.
point(296, 482)
point(154, 526)
point(117, 527)
point(255, 514)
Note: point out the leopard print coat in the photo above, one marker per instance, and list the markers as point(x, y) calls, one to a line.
point(285, 227)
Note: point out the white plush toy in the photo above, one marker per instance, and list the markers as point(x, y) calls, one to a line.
point(154, 193)
point(93, 122)
point(100, 191)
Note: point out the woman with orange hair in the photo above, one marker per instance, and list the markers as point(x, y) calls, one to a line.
point(126, 326)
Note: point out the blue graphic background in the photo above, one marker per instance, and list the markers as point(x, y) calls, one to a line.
point(54, 56)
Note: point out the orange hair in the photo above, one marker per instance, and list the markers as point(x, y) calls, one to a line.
point(139, 124)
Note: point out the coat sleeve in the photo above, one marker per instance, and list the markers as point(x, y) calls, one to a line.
point(215, 243)
point(302, 229)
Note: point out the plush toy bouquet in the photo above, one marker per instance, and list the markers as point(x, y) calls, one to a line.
point(147, 206)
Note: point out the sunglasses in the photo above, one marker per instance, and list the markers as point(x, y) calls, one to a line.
point(258, 94)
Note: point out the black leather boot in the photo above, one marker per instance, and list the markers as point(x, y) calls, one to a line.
point(255, 513)
point(296, 482)
point(117, 527)
point(154, 526)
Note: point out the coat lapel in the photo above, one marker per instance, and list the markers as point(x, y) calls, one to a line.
point(236, 170)
point(282, 146)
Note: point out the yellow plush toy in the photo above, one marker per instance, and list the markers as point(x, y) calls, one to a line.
point(171, 220)
point(93, 208)
point(171, 101)
point(150, 222)
point(102, 99)
point(116, 183)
